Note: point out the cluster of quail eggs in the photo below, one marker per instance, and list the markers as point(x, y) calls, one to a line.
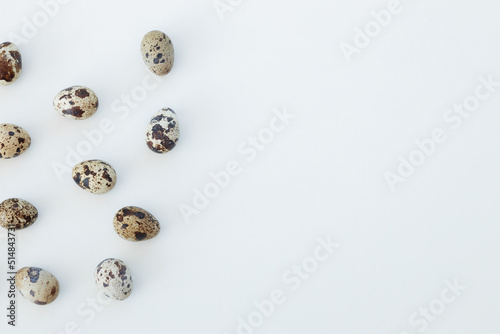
point(131, 223)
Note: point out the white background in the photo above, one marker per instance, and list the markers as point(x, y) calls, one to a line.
point(323, 175)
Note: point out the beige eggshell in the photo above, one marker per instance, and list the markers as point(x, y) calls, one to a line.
point(77, 102)
point(94, 176)
point(17, 213)
point(135, 224)
point(14, 141)
point(37, 285)
point(157, 52)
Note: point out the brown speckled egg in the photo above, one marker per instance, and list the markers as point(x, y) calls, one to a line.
point(14, 140)
point(113, 278)
point(135, 224)
point(76, 102)
point(10, 63)
point(37, 285)
point(157, 52)
point(162, 132)
point(95, 176)
point(17, 213)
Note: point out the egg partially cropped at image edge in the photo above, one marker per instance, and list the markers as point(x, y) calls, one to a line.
point(11, 63)
point(14, 141)
point(17, 213)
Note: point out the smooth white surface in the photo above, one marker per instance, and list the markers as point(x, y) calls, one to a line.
point(323, 175)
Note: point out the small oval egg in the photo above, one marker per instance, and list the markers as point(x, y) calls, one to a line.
point(37, 285)
point(17, 213)
point(162, 132)
point(157, 52)
point(11, 63)
point(14, 141)
point(77, 102)
point(113, 278)
point(94, 176)
point(135, 224)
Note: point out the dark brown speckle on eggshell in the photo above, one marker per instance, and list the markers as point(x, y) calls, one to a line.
point(77, 102)
point(37, 285)
point(17, 213)
point(14, 141)
point(11, 63)
point(157, 52)
point(94, 176)
point(162, 132)
point(135, 224)
point(114, 279)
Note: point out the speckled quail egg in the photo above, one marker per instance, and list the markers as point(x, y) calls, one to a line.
point(76, 102)
point(135, 224)
point(14, 140)
point(162, 132)
point(17, 213)
point(11, 63)
point(113, 278)
point(95, 176)
point(37, 285)
point(157, 52)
